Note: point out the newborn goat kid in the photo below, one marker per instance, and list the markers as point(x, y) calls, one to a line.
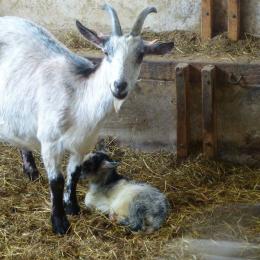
point(136, 205)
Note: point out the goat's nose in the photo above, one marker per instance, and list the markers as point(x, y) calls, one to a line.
point(120, 86)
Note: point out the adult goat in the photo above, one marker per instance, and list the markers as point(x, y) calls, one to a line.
point(54, 100)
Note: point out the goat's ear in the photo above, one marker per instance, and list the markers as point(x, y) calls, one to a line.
point(87, 166)
point(109, 164)
point(91, 36)
point(158, 48)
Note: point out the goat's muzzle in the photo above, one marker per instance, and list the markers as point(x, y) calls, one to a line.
point(120, 90)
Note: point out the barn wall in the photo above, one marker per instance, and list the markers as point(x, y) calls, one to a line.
point(59, 15)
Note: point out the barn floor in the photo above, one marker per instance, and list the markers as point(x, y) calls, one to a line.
point(210, 201)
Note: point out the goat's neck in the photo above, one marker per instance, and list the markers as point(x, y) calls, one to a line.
point(96, 94)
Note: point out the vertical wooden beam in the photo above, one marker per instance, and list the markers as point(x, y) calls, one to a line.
point(209, 111)
point(206, 19)
point(183, 110)
point(234, 20)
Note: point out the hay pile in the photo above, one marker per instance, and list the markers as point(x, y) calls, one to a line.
point(195, 189)
point(189, 43)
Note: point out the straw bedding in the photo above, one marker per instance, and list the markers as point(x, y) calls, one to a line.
point(187, 44)
point(195, 188)
point(204, 195)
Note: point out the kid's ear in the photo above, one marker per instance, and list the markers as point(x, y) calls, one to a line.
point(109, 164)
point(91, 35)
point(87, 167)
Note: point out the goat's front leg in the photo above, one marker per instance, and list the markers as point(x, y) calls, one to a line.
point(73, 175)
point(52, 159)
point(29, 166)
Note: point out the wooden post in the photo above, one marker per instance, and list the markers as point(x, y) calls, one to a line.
point(234, 19)
point(206, 19)
point(183, 110)
point(209, 111)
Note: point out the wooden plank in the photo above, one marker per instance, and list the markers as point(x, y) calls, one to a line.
point(158, 70)
point(209, 111)
point(249, 72)
point(183, 110)
point(234, 20)
point(206, 19)
point(165, 70)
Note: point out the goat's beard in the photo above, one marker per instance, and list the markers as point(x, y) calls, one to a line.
point(118, 103)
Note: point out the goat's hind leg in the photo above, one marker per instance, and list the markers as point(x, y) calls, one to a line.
point(29, 166)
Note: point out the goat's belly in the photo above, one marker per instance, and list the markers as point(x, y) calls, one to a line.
point(28, 143)
point(21, 137)
point(98, 201)
point(18, 118)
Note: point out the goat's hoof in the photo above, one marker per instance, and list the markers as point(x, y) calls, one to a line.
point(72, 208)
point(60, 225)
point(32, 174)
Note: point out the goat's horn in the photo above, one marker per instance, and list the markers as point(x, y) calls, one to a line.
point(116, 27)
point(137, 28)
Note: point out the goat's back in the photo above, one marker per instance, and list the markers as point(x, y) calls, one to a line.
point(23, 35)
point(36, 72)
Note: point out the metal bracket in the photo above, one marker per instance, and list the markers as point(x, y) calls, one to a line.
point(234, 79)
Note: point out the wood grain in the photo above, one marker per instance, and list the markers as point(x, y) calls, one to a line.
point(209, 128)
point(206, 19)
point(234, 20)
point(183, 110)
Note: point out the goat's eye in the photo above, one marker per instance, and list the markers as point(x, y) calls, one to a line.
point(140, 57)
point(106, 53)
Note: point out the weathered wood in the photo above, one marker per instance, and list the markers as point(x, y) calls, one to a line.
point(206, 19)
point(234, 19)
point(250, 72)
point(209, 111)
point(183, 110)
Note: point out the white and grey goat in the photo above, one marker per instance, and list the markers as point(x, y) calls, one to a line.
point(55, 101)
point(134, 204)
